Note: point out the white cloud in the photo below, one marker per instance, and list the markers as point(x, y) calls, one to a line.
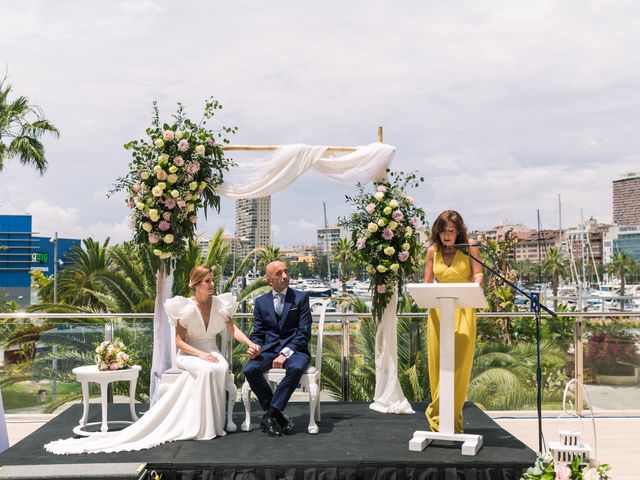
point(501, 106)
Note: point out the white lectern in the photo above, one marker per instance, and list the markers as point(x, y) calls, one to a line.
point(447, 297)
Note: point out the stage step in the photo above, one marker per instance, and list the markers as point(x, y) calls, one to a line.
point(111, 471)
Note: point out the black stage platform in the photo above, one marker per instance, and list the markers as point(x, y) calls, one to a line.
point(354, 443)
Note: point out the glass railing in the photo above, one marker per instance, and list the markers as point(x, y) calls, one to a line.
point(601, 349)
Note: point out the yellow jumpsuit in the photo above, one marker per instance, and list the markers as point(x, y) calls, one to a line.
point(465, 338)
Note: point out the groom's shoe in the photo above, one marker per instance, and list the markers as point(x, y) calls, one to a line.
point(285, 423)
point(269, 426)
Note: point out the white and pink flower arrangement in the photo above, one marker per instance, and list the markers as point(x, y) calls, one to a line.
point(112, 355)
point(545, 468)
point(172, 176)
point(384, 231)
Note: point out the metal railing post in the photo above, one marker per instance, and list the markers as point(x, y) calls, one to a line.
point(345, 358)
point(579, 362)
point(108, 335)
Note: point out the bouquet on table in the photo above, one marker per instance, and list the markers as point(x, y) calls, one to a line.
point(546, 469)
point(112, 355)
point(384, 230)
point(174, 172)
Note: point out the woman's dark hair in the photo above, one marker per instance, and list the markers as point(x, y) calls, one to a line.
point(441, 223)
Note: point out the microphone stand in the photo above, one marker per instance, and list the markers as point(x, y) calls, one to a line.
point(537, 308)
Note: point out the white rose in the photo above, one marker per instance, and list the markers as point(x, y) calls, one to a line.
point(379, 196)
point(172, 178)
point(154, 215)
point(381, 268)
point(394, 268)
point(199, 149)
point(393, 225)
point(156, 191)
point(393, 204)
point(147, 227)
point(372, 227)
point(144, 175)
point(590, 473)
point(168, 238)
point(179, 134)
point(175, 193)
point(159, 143)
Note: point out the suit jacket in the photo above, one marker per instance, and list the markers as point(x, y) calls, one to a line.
point(293, 330)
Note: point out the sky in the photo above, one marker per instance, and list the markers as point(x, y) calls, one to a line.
point(502, 106)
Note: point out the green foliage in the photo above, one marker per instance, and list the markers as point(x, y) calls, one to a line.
point(22, 125)
point(545, 469)
point(609, 346)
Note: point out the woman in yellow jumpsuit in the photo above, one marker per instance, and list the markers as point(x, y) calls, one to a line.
point(447, 264)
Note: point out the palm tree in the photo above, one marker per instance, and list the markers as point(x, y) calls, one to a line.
point(503, 376)
point(267, 255)
point(621, 264)
point(555, 265)
point(21, 127)
point(342, 254)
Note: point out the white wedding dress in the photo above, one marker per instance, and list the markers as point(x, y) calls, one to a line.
point(193, 408)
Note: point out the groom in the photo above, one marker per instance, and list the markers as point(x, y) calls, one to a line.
point(281, 329)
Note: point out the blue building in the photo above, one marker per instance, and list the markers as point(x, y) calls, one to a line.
point(21, 252)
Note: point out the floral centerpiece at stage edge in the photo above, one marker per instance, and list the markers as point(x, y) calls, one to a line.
point(546, 469)
point(112, 355)
point(174, 172)
point(384, 233)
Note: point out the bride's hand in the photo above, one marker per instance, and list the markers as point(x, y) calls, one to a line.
point(253, 350)
point(209, 357)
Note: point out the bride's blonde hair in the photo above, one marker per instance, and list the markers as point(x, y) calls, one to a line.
point(197, 275)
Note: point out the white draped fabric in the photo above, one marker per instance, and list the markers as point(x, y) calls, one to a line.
point(161, 360)
point(265, 176)
point(4, 437)
point(388, 397)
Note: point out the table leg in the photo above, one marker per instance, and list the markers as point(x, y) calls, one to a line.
point(132, 399)
point(85, 403)
point(104, 386)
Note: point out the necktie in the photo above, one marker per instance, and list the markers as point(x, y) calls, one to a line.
point(279, 303)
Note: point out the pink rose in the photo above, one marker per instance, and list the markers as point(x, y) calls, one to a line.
point(381, 188)
point(168, 135)
point(563, 472)
point(161, 175)
point(413, 221)
point(403, 256)
point(361, 243)
point(387, 234)
point(164, 226)
point(370, 208)
point(182, 203)
point(170, 203)
point(183, 145)
point(178, 161)
point(381, 289)
point(137, 187)
point(398, 216)
point(166, 216)
point(193, 219)
point(409, 200)
point(130, 203)
point(153, 238)
point(210, 141)
point(192, 167)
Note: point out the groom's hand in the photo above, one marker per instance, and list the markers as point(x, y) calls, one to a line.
point(278, 362)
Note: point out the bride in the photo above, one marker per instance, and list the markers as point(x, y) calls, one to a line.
point(193, 406)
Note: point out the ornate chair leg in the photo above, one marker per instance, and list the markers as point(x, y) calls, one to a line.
point(233, 392)
point(314, 393)
point(246, 400)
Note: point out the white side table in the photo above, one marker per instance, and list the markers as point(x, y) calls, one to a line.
point(91, 373)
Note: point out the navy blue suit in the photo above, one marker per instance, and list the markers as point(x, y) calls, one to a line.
point(273, 333)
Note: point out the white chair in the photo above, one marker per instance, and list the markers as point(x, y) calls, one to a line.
point(310, 380)
point(172, 374)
